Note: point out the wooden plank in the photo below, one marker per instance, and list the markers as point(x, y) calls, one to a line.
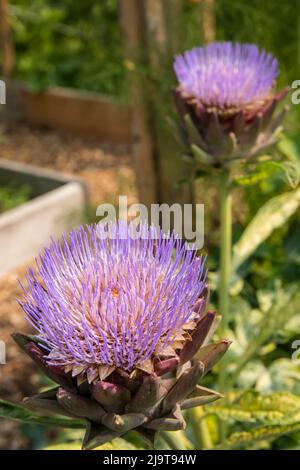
point(163, 39)
point(70, 111)
point(208, 20)
point(132, 23)
point(7, 46)
point(151, 35)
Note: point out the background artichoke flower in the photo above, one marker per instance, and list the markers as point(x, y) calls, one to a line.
point(122, 328)
point(226, 101)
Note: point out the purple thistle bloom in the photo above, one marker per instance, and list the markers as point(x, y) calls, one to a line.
point(225, 75)
point(226, 102)
point(122, 329)
point(99, 303)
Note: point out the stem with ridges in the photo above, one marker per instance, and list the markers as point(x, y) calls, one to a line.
point(225, 269)
point(225, 247)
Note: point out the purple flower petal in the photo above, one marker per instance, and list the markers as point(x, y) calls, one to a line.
point(111, 301)
point(226, 75)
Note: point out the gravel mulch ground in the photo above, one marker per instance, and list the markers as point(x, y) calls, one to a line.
point(18, 377)
point(106, 167)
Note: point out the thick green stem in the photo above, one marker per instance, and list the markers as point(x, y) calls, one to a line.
point(298, 34)
point(225, 247)
point(225, 271)
point(200, 429)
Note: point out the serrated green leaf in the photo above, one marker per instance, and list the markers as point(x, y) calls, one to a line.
point(269, 217)
point(290, 147)
point(284, 306)
point(279, 408)
point(288, 170)
point(248, 439)
point(19, 413)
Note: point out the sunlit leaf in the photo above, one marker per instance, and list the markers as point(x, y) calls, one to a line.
point(251, 178)
point(247, 439)
point(290, 147)
point(252, 407)
point(282, 374)
point(284, 306)
point(270, 217)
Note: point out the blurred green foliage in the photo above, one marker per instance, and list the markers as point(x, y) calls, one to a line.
point(12, 196)
point(79, 44)
point(68, 43)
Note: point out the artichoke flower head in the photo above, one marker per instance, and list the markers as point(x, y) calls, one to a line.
point(226, 100)
point(122, 327)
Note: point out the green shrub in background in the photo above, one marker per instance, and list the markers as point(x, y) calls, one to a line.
point(12, 196)
point(68, 43)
